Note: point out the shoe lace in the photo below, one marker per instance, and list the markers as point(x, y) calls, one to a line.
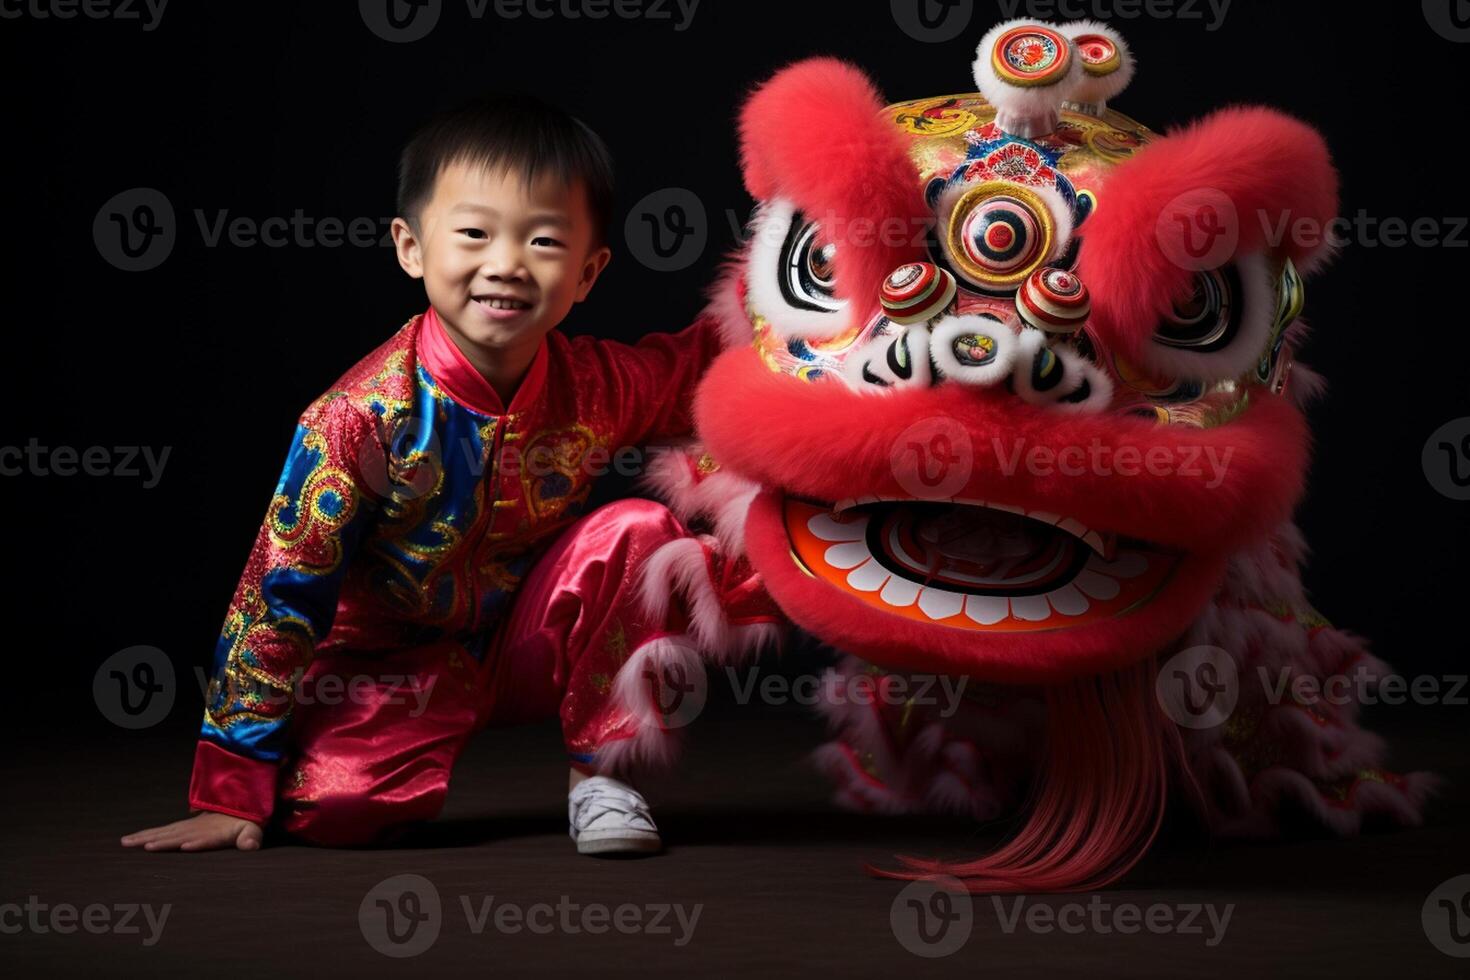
point(594, 798)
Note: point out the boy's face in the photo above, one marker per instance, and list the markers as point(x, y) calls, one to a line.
point(502, 258)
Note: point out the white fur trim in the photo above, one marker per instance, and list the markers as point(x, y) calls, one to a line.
point(874, 357)
point(725, 305)
point(946, 330)
point(1024, 111)
point(1099, 384)
point(1074, 367)
point(765, 268)
point(1258, 313)
point(722, 497)
point(682, 568)
point(654, 745)
point(670, 476)
point(1094, 90)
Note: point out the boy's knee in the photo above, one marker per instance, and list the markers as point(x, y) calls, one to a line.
point(644, 521)
point(357, 819)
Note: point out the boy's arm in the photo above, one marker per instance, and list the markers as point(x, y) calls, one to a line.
point(283, 606)
point(654, 379)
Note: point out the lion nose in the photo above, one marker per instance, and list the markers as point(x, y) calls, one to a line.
point(924, 343)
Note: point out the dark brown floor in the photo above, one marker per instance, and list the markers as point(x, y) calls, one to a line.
point(777, 871)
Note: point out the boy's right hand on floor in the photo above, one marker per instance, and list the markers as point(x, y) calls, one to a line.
point(207, 831)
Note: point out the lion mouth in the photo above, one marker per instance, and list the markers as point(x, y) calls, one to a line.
point(974, 565)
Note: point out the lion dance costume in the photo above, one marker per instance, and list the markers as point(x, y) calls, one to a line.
point(979, 348)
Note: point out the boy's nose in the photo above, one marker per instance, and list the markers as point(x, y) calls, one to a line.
point(503, 261)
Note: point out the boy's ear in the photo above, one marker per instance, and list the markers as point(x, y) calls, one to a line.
point(597, 260)
point(406, 244)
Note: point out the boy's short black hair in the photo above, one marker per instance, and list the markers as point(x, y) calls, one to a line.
point(517, 133)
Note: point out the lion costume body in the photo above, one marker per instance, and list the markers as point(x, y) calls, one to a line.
point(1011, 395)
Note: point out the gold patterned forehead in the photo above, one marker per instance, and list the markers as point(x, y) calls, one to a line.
point(945, 131)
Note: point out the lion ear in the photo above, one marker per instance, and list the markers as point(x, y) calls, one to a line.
point(817, 137)
point(1240, 182)
point(816, 133)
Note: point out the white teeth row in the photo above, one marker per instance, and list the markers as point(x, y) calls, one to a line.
point(1098, 581)
point(1105, 545)
point(505, 304)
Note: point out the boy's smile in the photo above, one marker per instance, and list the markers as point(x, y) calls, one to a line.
point(503, 259)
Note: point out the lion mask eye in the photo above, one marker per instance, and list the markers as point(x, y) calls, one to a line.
point(792, 272)
point(1210, 318)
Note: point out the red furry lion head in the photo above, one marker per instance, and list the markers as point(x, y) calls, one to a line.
point(1009, 395)
point(1012, 371)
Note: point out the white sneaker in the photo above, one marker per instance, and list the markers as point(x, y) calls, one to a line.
point(609, 817)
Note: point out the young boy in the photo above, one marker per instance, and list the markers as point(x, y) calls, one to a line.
point(421, 560)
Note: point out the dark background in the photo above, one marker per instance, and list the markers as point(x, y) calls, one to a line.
point(262, 109)
point(261, 112)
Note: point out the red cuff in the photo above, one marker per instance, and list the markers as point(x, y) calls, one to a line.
point(230, 783)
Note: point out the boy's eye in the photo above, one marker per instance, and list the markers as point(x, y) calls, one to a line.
point(473, 232)
point(544, 241)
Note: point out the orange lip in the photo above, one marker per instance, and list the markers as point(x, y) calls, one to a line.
point(831, 549)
